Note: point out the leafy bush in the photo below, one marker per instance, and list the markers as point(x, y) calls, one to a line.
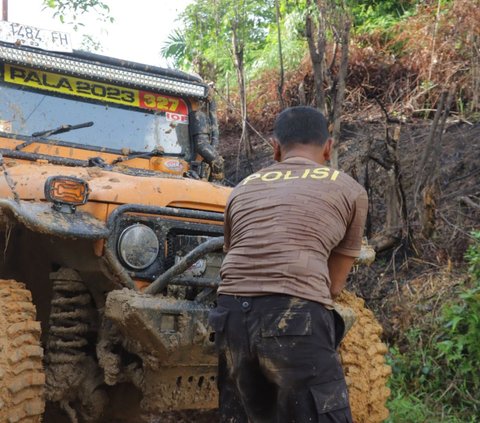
point(407, 408)
point(435, 374)
point(379, 15)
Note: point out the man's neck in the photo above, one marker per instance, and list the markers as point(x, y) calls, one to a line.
point(303, 154)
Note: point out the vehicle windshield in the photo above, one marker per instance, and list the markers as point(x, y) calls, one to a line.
point(24, 111)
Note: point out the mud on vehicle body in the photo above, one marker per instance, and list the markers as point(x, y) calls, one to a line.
point(105, 184)
point(111, 214)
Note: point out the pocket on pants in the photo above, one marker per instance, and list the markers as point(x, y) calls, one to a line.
point(330, 397)
point(340, 327)
point(287, 323)
point(217, 320)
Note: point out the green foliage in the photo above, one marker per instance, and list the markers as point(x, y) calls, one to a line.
point(69, 11)
point(175, 47)
point(294, 45)
point(436, 370)
point(473, 257)
point(205, 44)
point(406, 408)
point(90, 43)
point(460, 344)
point(379, 15)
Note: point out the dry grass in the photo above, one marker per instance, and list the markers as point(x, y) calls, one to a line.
point(419, 301)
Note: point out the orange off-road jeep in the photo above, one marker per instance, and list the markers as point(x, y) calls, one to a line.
point(111, 218)
point(104, 185)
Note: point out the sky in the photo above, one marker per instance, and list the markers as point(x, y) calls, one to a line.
point(140, 29)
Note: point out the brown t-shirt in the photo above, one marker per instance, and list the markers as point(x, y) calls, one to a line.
point(282, 223)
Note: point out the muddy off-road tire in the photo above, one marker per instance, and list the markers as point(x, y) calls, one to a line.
point(363, 358)
point(22, 377)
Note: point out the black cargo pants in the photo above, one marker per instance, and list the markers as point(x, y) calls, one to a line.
point(278, 361)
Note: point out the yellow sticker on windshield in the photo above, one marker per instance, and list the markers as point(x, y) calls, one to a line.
point(70, 85)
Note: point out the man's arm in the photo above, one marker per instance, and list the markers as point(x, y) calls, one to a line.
point(339, 267)
point(343, 255)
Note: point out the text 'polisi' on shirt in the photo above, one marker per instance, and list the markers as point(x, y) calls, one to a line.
point(277, 175)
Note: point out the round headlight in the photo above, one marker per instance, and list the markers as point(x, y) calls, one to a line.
point(138, 246)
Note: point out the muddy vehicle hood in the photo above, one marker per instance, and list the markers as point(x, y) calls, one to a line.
point(27, 182)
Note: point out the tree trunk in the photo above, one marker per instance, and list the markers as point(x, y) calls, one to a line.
point(280, 57)
point(302, 95)
point(315, 31)
point(317, 45)
point(397, 226)
point(340, 92)
point(427, 182)
point(475, 104)
point(238, 53)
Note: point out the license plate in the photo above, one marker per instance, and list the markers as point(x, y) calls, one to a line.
point(31, 36)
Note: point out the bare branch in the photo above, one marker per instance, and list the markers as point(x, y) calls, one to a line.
point(280, 56)
point(342, 29)
point(317, 46)
point(379, 161)
point(469, 202)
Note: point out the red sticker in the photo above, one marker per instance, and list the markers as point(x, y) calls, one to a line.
point(163, 103)
point(175, 117)
point(173, 164)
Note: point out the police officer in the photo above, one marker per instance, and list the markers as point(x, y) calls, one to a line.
point(292, 232)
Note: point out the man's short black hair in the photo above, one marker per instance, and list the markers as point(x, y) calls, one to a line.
point(301, 125)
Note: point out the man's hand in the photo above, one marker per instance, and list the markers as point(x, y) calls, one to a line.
point(339, 267)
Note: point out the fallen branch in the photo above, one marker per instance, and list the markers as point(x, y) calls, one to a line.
point(383, 243)
point(380, 162)
point(469, 202)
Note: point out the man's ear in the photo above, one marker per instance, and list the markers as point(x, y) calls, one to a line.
point(277, 153)
point(327, 149)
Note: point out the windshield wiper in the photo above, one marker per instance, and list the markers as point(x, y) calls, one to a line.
point(155, 152)
point(60, 130)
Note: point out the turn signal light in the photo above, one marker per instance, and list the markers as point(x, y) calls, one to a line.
point(66, 191)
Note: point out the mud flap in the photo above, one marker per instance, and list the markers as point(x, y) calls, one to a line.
point(332, 398)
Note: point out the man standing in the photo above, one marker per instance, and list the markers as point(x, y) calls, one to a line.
point(292, 232)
